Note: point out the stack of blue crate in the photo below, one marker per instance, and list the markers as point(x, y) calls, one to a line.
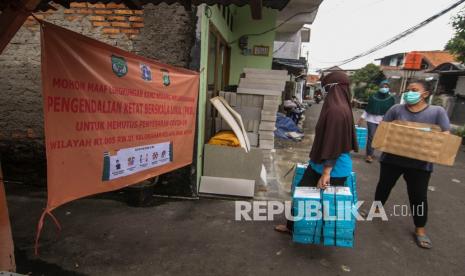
point(351, 182)
point(362, 134)
point(338, 221)
point(298, 174)
point(308, 223)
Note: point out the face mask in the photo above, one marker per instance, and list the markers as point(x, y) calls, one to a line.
point(412, 97)
point(384, 90)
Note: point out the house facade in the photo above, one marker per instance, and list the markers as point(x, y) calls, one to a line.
point(400, 68)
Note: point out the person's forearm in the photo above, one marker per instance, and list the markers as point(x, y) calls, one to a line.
point(327, 170)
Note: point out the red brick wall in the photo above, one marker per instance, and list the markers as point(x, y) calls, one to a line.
point(163, 32)
point(113, 18)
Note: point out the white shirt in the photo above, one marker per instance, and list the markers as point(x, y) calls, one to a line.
point(375, 119)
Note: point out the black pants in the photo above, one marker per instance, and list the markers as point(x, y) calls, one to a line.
point(371, 134)
point(310, 179)
point(417, 188)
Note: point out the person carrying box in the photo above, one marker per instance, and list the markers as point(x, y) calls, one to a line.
point(330, 160)
point(378, 104)
point(415, 172)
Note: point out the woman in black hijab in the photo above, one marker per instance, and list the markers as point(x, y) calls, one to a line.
point(330, 161)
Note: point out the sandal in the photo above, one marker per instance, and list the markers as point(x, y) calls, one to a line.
point(423, 241)
point(282, 228)
point(369, 159)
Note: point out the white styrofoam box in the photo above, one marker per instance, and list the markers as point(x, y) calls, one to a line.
point(256, 126)
point(266, 135)
point(271, 103)
point(266, 77)
point(263, 81)
point(269, 118)
point(265, 71)
point(264, 125)
point(225, 125)
point(249, 100)
point(272, 98)
point(247, 83)
point(266, 144)
point(227, 186)
point(307, 193)
point(258, 92)
point(249, 113)
point(268, 113)
point(271, 108)
point(343, 191)
point(252, 125)
point(233, 99)
point(253, 138)
point(218, 124)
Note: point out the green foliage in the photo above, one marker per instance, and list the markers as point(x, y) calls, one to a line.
point(366, 81)
point(369, 74)
point(460, 131)
point(437, 101)
point(456, 45)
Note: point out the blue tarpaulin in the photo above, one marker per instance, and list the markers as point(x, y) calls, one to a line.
point(283, 125)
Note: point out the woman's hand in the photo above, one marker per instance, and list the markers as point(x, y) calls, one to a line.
point(323, 183)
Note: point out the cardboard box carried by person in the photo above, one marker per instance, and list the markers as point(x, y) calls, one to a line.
point(418, 141)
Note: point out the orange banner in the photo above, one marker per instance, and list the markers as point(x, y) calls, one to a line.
point(112, 118)
point(7, 256)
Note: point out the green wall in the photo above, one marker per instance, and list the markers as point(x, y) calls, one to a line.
point(243, 24)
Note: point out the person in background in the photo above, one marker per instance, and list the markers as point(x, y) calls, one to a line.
point(330, 160)
point(378, 104)
point(415, 172)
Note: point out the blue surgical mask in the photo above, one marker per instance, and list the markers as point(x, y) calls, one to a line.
point(412, 97)
point(384, 90)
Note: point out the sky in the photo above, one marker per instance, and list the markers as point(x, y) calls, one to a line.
point(345, 28)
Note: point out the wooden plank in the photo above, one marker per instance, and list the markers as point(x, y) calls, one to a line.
point(12, 18)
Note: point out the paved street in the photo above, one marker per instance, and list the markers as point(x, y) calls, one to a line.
point(103, 236)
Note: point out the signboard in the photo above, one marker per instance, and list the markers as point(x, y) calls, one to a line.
point(112, 118)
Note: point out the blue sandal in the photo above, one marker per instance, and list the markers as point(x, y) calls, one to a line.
point(423, 241)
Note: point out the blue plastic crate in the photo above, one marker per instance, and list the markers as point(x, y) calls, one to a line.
point(345, 243)
point(298, 174)
point(362, 134)
point(306, 239)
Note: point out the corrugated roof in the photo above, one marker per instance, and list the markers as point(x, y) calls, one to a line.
point(449, 67)
point(137, 4)
point(436, 58)
point(294, 63)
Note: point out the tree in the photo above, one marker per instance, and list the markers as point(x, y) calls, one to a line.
point(457, 44)
point(366, 81)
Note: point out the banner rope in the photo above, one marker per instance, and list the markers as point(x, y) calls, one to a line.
point(40, 226)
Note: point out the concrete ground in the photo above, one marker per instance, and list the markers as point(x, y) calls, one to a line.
point(103, 236)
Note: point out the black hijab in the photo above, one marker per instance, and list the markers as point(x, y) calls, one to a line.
point(335, 130)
